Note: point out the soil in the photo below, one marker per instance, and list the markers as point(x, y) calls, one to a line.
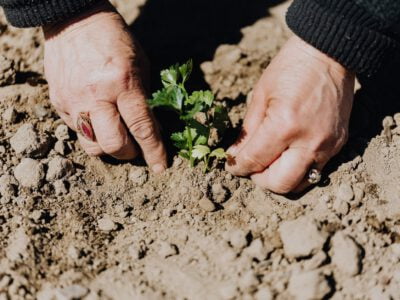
point(76, 227)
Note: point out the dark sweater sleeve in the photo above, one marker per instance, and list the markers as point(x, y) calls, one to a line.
point(357, 33)
point(32, 13)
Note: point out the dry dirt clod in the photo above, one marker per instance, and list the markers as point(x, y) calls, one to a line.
point(341, 207)
point(219, 193)
point(345, 192)
point(237, 239)
point(18, 246)
point(8, 186)
point(29, 173)
point(10, 115)
point(166, 250)
point(106, 224)
point(346, 254)
point(316, 261)
point(60, 188)
point(207, 205)
point(301, 237)
point(26, 141)
point(248, 282)
point(264, 293)
point(58, 168)
point(62, 133)
point(256, 250)
point(138, 176)
point(7, 71)
point(308, 285)
point(72, 292)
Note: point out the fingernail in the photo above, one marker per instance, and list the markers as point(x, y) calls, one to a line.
point(158, 168)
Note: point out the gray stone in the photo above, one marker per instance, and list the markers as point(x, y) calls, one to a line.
point(301, 237)
point(10, 115)
point(310, 285)
point(60, 147)
point(18, 246)
point(106, 224)
point(29, 173)
point(58, 168)
point(345, 192)
point(60, 188)
point(207, 205)
point(62, 132)
point(26, 141)
point(346, 254)
point(8, 185)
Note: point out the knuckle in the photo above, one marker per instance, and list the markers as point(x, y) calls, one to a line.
point(250, 161)
point(143, 129)
point(113, 147)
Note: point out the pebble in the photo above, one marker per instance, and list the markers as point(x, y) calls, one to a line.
point(346, 254)
point(256, 250)
point(341, 207)
point(60, 147)
point(228, 291)
point(345, 192)
point(237, 239)
point(308, 285)
point(8, 186)
point(7, 71)
point(138, 176)
point(26, 141)
point(72, 292)
point(58, 168)
point(60, 187)
point(18, 246)
point(29, 173)
point(62, 133)
point(248, 282)
point(219, 193)
point(301, 237)
point(264, 293)
point(40, 111)
point(10, 115)
point(106, 224)
point(207, 205)
point(316, 261)
point(166, 250)
point(36, 216)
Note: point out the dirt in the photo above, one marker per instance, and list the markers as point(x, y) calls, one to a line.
point(76, 227)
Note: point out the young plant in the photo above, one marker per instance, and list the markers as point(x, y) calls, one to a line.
point(198, 111)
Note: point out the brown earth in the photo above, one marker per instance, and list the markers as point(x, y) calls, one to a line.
point(75, 227)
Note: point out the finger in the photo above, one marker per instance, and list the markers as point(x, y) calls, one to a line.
point(264, 147)
point(141, 123)
point(67, 119)
point(287, 172)
point(254, 117)
point(304, 184)
point(90, 147)
point(111, 133)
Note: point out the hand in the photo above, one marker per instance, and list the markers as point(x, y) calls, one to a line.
point(298, 119)
point(92, 64)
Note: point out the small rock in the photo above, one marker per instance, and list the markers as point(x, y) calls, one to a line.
point(62, 133)
point(73, 252)
point(167, 250)
point(138, 176)
point(228, 291)
point(10, 115)
point(60, 147)
point(72, 292)
point(106, 224)
point(346, 254)
point(207, 205)
point(7, 71)
point(219, 193)
point(308, 286)
point(341, 207)
point(18, 246)
point(27, 141)
point(60, 188)
point(264, 293)
point(316, 261)
point(301, 237)
point(248, 282)
point(237, 239)
point(40, 111)
point(58, 168)
point(8, 186)
point(256, 250)
point(36, 216)
point(345, 192)
point(29, 173)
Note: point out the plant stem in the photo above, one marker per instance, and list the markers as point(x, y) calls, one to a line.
point(190, 140)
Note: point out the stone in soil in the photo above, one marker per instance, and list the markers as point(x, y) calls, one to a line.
point(106, 224)
point(219, 193)
point(301, 237)
point(138, 176)
point(62, 133)
point(248, 282)
point(72, 292)
point(308, 285)
point(58, 168)
point(10, 115)
point(207, 205)
point(8, 186)
point(346, 254)
point(256, 250)
point(60, 187)
point(60, 147)
point(7, 71)
point(166, 250)
point(29, 173)
point(264, 293)
point(237, 239)
point(345, 192)
point(18, 246)
point(27, 141)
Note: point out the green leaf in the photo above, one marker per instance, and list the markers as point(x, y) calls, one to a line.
point(202, 132)
point(218, 153)
point(185, 70)
point(200, 151)
point(171, 97)
point(221, 119)
point(170, 77)
point(198, 107)
point(184, 154)
point(179, 139)
point(205, 97)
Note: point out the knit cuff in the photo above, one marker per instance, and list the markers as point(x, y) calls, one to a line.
point(39, 13)
point(342, 30)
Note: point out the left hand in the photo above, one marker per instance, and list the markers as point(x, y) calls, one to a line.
point(298, 119)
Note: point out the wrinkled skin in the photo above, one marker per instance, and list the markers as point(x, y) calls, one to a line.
point(92, 64)
point(298, 119)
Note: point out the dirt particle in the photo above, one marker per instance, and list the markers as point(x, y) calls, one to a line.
point(248, 281)
point(308, 285)
point(58, 168)
point(316, 261)
point(345, 192)
point(29, 173)
point(166, 250)
point(238, 239)
point(18, 246)
point(256, 250)
point(72, 292)
point(40, 111)
point(8, 186)
point(264, 293)
point(346, 254)
point(106, 224)
point(60, 188)
point(10, 115)
point(7, 71)
point(27, 141)
point(219, 193)
point(341, 207)
point(62, 133)
point(207, 205)
point(301, 237)
point(138, 176)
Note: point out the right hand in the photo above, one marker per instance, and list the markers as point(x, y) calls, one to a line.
point(92, 65)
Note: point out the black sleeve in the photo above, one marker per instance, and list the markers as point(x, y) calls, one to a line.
point(359, 34)
point(32, 13)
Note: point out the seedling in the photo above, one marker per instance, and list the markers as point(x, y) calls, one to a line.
point(197, 110)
